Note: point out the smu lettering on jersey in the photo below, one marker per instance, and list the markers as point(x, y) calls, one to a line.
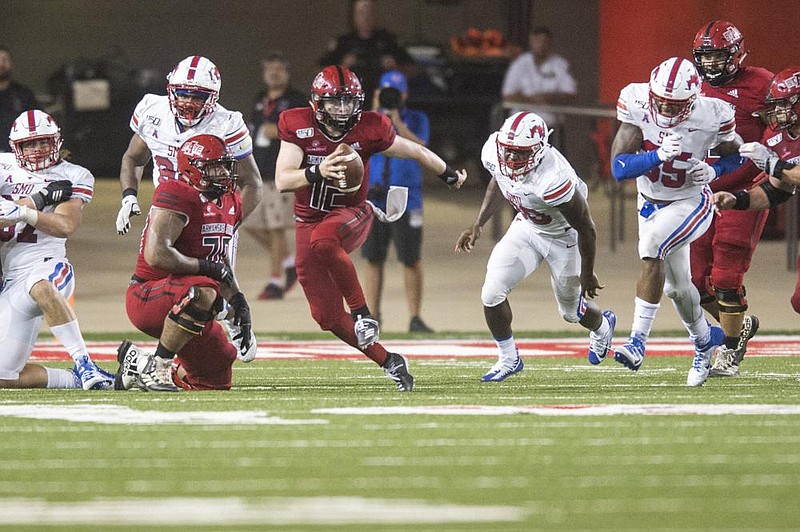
point(552, 183)
point(154, 122)
point(746, 94)
point(710, 123)
point(23, 245)
point(372, 134)
point(209, 229)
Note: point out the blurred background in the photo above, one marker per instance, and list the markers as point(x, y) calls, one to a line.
point(124, 49)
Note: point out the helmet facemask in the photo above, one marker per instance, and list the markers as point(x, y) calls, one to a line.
point(35, 140)
point(340, 113)
point(668, 112)
point(191, 104)
point(782, 113)
point(674, 87)
point(521, 144)
point(205, 162)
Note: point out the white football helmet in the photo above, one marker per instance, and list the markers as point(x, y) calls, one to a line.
point(674, 87)
point(193, 89)
point(521, 144)
point(35, 125)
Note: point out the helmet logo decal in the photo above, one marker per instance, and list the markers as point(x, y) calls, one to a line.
point(193, 149)
point(693, 81)
point(790, 83)
point(732, 34)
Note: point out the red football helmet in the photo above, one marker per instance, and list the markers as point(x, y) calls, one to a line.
point(35, 126)
point(521, 144)
point(783, 99)
point(337, 98)
point(718, 52)
point(205, 162)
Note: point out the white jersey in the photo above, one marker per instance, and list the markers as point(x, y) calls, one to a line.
point(154, 122)
point(552, 183)
point(23, 245)
point(710, 123)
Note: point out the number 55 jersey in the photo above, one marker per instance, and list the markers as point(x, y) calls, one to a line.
point(710, 123)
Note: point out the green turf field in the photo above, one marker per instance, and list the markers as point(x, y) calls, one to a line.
point(274, 452)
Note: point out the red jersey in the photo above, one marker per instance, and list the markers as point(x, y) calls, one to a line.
point(372, 134)
point(746, 94)
point(208, 230)
point(783, 144)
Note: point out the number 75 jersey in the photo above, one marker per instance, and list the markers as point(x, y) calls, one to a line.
point(710, 123)
point(154, 122)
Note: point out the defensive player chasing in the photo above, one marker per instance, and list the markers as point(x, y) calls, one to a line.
point(183, 278)
point(666, 130)
point(41, 206)
point(161, 124)
point(330, 223)
point(780, 160)
point(553, 224)
point(721, 257)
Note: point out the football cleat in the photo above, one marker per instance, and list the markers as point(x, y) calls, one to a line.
point(599, 346)
point(92, 377)
point(155, 374)
point(291, 278)
point(503, 370)
point(750, 326)
point(367, 331)
point(396, 368)
point(725, 364)
point(233, 333)
point(127, 375)
point(270, 292)
point(630, 355)
point(701, 365)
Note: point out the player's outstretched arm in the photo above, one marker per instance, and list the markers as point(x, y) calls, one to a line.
point(405, 149)
point(576, 212)
point(130, 175)
point(492, 200)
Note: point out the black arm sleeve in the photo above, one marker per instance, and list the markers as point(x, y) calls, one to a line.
point(775, 196)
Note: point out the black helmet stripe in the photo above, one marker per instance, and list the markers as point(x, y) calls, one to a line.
point(341, 77)
point(708, 28)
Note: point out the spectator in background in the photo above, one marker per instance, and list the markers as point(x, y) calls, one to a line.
point(540, 76)
point(273, 216)
point(14, 97)
point(367, 50)
point(406, 233)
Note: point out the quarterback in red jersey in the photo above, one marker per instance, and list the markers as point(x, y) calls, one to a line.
point(720, 258)
point(330, 224)
point(183, 278)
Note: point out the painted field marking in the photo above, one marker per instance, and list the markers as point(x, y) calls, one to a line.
point(240, 511)
point(550, 347)
point(570, 410)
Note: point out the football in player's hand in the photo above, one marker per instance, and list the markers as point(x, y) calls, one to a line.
point(354, 170)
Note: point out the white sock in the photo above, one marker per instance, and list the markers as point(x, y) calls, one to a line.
point(506, 349)
point(699, 331)
point(61, 378)
point(604, 327)
point(69, 334)
point(644, 313)
point(288, 262)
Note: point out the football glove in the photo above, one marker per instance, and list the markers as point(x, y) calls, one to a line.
point(11, 213)
point(54, 192)
point(761, 156)
point(670, 148)
point(242, 319)
point(130, 207)
point(219, 271)
point(700, 173)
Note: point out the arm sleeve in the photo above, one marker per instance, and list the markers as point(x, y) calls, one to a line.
point(629, 165)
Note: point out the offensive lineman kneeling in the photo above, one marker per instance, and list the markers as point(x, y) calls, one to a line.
point(183, 279)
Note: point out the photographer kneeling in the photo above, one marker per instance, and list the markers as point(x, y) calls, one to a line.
point(406, 232)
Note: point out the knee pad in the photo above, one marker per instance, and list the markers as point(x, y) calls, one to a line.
point(493, 293)
point(732, 301)
point(188, 313)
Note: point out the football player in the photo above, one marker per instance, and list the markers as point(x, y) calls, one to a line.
point(329, 223)
point(777, 155)
point(41, 204)
point(666, 129)
point(161, 124)
point(183, 278)
point(552, 225)
point(720, 258)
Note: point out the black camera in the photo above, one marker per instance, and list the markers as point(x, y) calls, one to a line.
point(390, 98)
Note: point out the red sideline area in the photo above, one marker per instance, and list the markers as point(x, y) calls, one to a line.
point(564, 347)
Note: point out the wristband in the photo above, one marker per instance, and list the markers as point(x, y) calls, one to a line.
point(129, 192)
point(313, 174)
point(742, 200)
point(448, 176)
